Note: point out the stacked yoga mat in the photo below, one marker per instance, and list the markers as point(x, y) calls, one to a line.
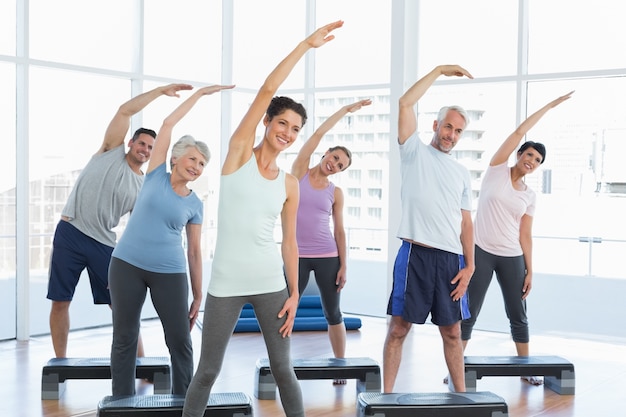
point(309, 316)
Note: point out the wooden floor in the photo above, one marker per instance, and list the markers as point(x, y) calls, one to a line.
point(600, 372)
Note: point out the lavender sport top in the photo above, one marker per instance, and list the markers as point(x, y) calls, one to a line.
point(313, 234)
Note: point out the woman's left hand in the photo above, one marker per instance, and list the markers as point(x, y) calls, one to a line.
point(194, 311)
point(340, 282)
point(323, 34)
point(289, 308)
point(528, 284)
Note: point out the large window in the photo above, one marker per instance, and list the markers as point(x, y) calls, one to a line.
point(583, 181)
point(7, 28)
point(575, 36)
point(187, 47)
point(258, 46)
point(365, 39)
point(479, 35)
point(8, 295)
point(67, 65)
point(100, 34)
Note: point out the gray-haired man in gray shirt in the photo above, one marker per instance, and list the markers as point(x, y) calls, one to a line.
point(105, 190)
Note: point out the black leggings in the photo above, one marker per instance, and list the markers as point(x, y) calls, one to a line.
point(325, 271)
point(510, 273)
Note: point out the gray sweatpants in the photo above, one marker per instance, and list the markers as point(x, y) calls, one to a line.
point(510, 272)
point(220, 317)
point(169, 292)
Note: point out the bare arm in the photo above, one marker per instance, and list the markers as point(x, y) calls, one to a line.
point(407, 120)
point(511, 143)
point(526, 241)
point(464, 276)
point(242, 140)
point(340, 239)
point(164, 137)
point(194, 259)
point(301, 163)
point(119, 125)
point(289, 250)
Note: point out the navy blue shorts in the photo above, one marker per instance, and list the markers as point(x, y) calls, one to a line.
point(72, 252)
point(421, 286)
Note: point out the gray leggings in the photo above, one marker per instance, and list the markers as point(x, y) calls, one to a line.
point(169, 292)
point(220, 317)
point(510, 272)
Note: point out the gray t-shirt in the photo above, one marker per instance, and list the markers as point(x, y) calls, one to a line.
point(105, 190)
point(435, 188)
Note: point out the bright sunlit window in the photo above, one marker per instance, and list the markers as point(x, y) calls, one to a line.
point(67, 65)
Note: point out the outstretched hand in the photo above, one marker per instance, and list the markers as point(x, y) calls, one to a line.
point(214, 89)
point(560, 100)
point(322, 35)
point(454, 71)
point(357, 106)
point(173, 89)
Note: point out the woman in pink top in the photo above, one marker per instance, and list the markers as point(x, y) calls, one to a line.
point(503, 232)
point(321, 251)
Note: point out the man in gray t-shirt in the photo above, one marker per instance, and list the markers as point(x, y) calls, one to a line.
point(105, 190)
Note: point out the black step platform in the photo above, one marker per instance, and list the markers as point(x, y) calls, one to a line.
point(58, 370)
point(365, 370)
point(558, 372)
point(440, 404)
point(228, 404)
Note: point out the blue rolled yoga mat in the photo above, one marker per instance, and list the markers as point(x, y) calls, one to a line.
point(251, 324)
point(309, 317)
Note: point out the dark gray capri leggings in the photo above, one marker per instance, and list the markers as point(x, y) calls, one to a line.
point(220, 317)
point(510, 273)
point(325, 271)
point(169, 292)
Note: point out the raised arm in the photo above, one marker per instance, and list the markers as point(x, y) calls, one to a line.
point(512, 142)
point(301, 163)
point(164, 137)
point(407, 120)
point(119, 125)
point(242, 139)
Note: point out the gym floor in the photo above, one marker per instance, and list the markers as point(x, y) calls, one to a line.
point(600, 372)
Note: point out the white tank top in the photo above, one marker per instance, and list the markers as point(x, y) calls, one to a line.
point(247, 258)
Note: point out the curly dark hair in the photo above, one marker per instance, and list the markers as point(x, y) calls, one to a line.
point(280, 103)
